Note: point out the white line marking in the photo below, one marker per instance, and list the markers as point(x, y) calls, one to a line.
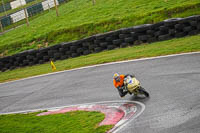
point(120, 123)
point(134, 116)
point(123, 121)
point(111, 63)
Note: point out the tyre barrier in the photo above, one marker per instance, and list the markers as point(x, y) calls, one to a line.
point(147, 33)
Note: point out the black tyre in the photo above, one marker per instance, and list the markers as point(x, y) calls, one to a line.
point(164, 37)
point(110, 38)
point(65, 45)
point(57, 55)
point(103, 44)
point(129, 40)
point(159, 33)
point(43, 50)
point(4, 69)
point(150, 32)
point(55, 47)
point(193, 23)
point(92, 47)
point(50, 53)
point(152, 39)
point(142, 28)
point(126, 30)
point(73, 48)
point(193, 32)
point(98, 49)
point(97, 41)
point(163, 28)
point(171, 22)
point(85, 44)
point(172, 32)
point(138, 42)
point(8, 65)
point(143, 91)
point(25, 62)
point(123, 45)
point(12, 67)
point(20, 58)
point(143, 38)
point(187, 29)
point(46, 58)
point(101, 36)
point(35, 60)
point(198, 26)
point(64, 57)
point(180, 34)
point(30, 63)
point(16, 63)
point(117, 42)
point(74, 55)
point(135, 35)
point(21, 65)
point(110, 47)
point(62, 49)
point(122, 36)
point(39, 55)
point(41, 61)
point(29, 57)
point(68, 53)
point(179, 26)
point(86, 52)
point(1, 65)
point(79, 50)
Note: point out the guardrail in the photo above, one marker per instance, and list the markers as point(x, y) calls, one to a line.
point(30, 11)
point(13, 4)
point(147, 33)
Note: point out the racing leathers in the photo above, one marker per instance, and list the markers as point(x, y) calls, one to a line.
point(120, 85)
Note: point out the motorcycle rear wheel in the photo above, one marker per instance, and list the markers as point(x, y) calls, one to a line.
point(143, 91)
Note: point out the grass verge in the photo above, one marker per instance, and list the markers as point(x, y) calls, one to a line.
point(180, 45)
point(79, 19)
point(71, 122)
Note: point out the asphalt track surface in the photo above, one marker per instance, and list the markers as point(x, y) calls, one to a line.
point(173, 83)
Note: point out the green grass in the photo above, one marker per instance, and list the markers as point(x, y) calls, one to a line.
point(181, 45)
point(71, 122)
point(79, 19)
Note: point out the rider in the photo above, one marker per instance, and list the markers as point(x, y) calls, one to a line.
point(118, 81)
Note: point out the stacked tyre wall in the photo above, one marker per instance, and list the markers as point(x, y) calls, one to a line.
point(148, 33)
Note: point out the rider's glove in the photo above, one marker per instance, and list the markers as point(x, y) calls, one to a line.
point(124, 88)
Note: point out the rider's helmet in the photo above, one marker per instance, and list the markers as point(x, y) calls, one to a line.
point(116, 77)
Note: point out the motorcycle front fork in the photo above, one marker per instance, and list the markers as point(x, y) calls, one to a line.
point(136, 91)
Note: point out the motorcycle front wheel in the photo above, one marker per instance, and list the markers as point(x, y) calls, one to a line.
point(143, 91)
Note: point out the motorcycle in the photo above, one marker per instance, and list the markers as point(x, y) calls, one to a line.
point(132, 85)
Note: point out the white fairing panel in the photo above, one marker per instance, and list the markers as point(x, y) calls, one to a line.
point(49, 4)
point(17, 3)
point(18, 16)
